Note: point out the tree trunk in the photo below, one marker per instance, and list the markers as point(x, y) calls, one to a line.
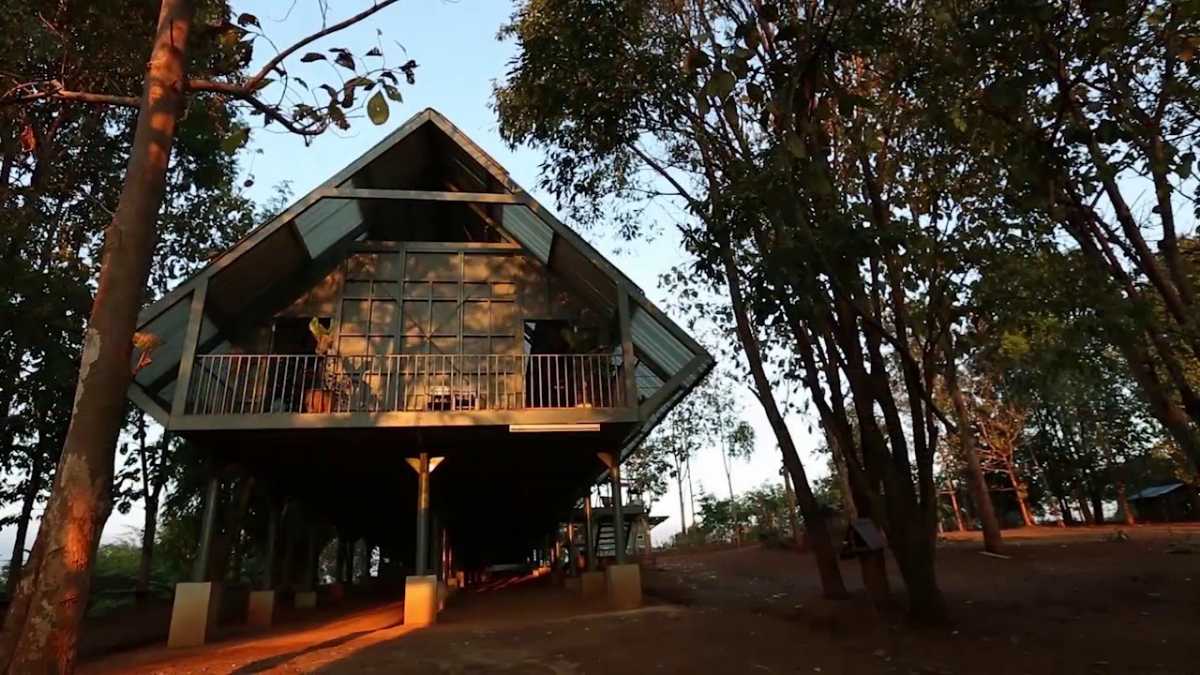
point(27, 503)
point(1097, 507)
point(793, 522)
point(816, 527)
point(992, 540)
point(1022, 499)
point(1123, 502)
point(42, 625)
point(682, 508)
point(958, 519)
point(1084, 509)
point(149, 532)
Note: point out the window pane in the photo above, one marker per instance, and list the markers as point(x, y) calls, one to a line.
point(504, 290)
point(475, 318)
point(388, 290)
point(433, 267)
point(354, 317)
point(481, 267)
point(505, 346)
point(383, 317)
point(444, 290)
point(416, 317)
point(357, 289)
point(380, 346)
point(476, 345)
point(352, 346)
point(504, 318)
point(362, 265)
point(412, 345)
point(388, 266)
point(476, 291)
point(444, 345)
point(417, 290)
point(445, 318)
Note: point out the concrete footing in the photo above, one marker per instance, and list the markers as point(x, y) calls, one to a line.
point(260, 609)
point(420, 600)
point(306, 600)
point(194, 613)
point(624, 583)
point(592, 584)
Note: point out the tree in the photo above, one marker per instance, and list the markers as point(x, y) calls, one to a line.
point(654, 117)
point(41, 626)
point(1074, 110)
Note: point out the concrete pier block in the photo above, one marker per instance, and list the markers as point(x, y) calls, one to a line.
point(194, 614)
point(592, 584)
point(260, 609)
point(420, 600)
point(306, 600)
point(624, 583)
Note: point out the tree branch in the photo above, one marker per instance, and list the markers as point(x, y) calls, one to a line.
point(255, 81)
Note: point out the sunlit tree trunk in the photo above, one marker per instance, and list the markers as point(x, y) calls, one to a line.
point(42, 626)
point(816, 527)
point(978, 483)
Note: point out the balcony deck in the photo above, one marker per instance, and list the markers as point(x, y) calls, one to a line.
point(303, 391)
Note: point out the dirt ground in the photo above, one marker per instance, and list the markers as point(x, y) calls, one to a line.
point(1087, 600)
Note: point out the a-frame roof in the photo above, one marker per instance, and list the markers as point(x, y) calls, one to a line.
point(670, 361)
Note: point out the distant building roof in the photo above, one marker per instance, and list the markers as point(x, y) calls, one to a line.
point(1156, 491)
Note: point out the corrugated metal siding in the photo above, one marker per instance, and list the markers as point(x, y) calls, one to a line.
point(527, 228)
point(327, 222)
point(653, 340)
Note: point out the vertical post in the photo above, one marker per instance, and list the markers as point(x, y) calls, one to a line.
point(423, 465)
point(310, 560)
point(421, 564)
point(190, 339)
point(573, 568)
point(268, 580)
point(624, 319)
point(613, 462)
point(207, 525)
point(589, 544)
point(618, 511)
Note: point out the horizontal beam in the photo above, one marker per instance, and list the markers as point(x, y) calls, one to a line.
point(460, 418)
point(428, 196)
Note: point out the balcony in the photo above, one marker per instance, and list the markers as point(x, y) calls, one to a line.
point(290, 385)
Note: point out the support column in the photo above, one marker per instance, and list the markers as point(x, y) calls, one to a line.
point(207, 525)
point(421, 601)
point(623, 582)
point(589, 545)
point(307, 598)
point(197, 604)
point(260, 610)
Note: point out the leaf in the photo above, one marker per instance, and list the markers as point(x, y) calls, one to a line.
point(245, 19)
point(337, 116)
point(377, 109)
point(312, 56)
point(392, 93)
point(330, 90)
point(344, 60)
point(235, 140)
point(374, 52)
point(721, 84)
point(300, 81)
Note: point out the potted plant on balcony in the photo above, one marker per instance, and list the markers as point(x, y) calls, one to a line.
point(319, 397)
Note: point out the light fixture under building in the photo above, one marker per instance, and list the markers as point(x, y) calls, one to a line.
point(543, 428)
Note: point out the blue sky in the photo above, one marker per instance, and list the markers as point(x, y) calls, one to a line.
point(459, 57)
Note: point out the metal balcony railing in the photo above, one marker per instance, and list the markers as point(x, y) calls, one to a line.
point(255, 384)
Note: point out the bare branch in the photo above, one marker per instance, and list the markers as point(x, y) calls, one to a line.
point(53, 89)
